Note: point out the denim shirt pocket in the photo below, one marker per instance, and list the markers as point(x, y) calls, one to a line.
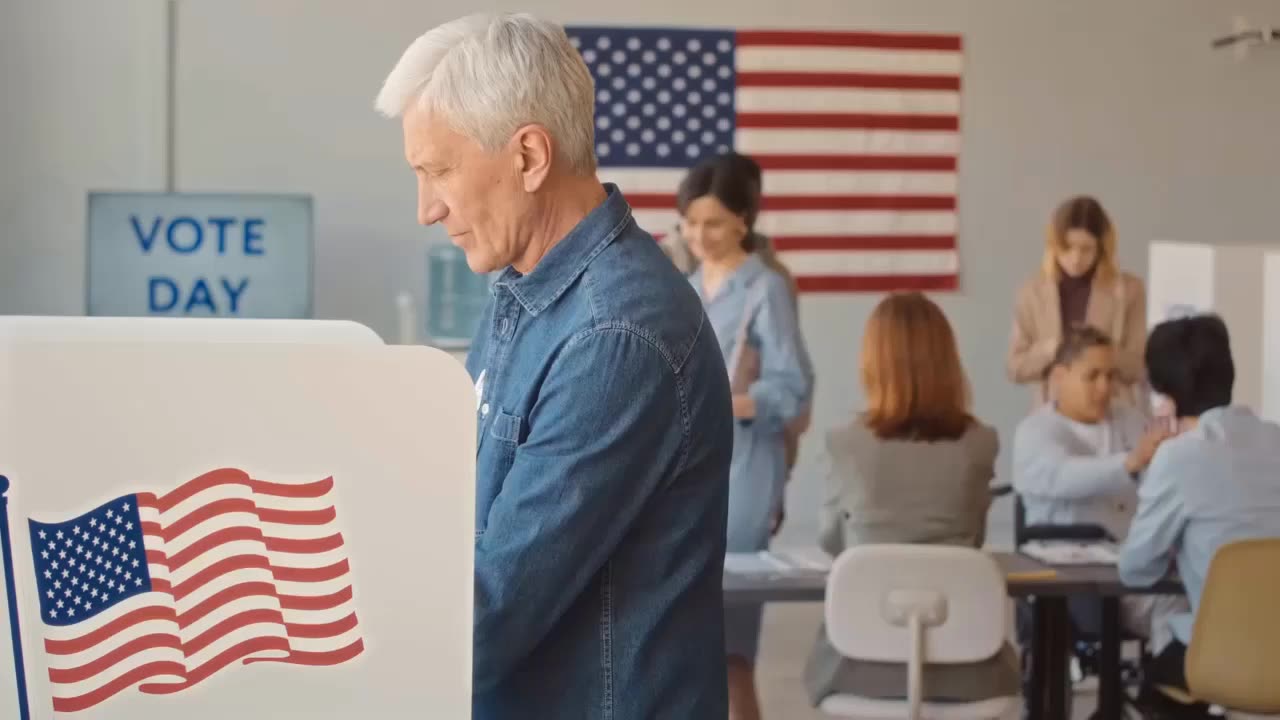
point(498, 454)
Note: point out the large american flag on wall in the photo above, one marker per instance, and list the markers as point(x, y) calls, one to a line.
point(857, 134)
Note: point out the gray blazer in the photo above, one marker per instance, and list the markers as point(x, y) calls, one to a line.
point(900, 491)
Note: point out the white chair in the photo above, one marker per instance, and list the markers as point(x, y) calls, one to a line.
point(916, 604)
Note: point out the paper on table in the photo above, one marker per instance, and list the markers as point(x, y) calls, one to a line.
point(1069, 553)
point(790, 562)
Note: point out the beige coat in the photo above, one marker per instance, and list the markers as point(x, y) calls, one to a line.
point(1117, 307)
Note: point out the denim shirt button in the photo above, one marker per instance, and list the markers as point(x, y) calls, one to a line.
point(484, 410)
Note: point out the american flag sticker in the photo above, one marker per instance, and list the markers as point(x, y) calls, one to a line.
point(858, 135)
point(160, 591)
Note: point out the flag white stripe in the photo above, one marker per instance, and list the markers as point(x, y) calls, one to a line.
point(787, 141)
point(108, 645)
point(871, 262)
point(227, 611)
point(233, 491)
point(248, 632)
point(825, 222)
point(88, 685)
point(847, 100)
point(319, 617)
point(796, 182)
point(856, 222)
point(304, 561)
point(319, 645)
point(763, 58)
point(315, 589)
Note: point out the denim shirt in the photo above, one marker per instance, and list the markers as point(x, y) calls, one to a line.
point(1208, 487)
point(605, 438)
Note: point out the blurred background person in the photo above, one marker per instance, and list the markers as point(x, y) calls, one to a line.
point(914, 467)
point(753, 313)
point(1078, 284)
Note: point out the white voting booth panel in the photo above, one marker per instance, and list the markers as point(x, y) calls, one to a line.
point(283, 532)
point(1241, 283)
point(74, 328)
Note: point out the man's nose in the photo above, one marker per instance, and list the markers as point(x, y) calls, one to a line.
point(431, 212)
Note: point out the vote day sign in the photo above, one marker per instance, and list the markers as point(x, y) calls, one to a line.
point(199, 255)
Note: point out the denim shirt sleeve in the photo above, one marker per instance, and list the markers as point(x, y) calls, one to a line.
point(604, 432)
point(786, 372)
point(1157, 527)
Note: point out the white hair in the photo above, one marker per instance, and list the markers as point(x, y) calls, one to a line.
point(488, 75)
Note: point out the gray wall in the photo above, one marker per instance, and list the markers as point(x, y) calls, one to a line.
point(1121, 99)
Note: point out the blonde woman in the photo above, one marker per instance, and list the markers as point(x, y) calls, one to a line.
point(1079, 284)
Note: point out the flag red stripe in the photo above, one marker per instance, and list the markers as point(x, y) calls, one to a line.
point(161, 585)
point(217, 570)
point(157, 557)
point(322, 630)
point(223, 659)
point(319, 602)
point(651, 201)
point(857, 202)
point(848, 121)
point(883, 81)
point(819, 38)
point(864, 242)
point(231, 476)
point(211, 541)
point(304, 547)
point(224, 596)
point(302, 575)
point(297, 517)
point(316, 489)
point(137, 645)
point(317, 659)
point(213, 478)
point(120, 624)
point(124, 682)
point(905, 163)
point(230, 625)
point(875, 283)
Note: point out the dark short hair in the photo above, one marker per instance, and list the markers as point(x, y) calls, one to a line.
point(1189, 361)
point(1075, 342)
point(731, 178)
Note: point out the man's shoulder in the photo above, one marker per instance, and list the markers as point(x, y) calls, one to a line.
point(632, 285)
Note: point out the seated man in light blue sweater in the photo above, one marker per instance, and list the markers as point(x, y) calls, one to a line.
point(1078, 459)
point(1216, 482)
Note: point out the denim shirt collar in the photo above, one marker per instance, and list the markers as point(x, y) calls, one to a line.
point(744, 275)
point(567, 259)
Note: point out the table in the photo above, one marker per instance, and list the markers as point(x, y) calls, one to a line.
point(1050, 643)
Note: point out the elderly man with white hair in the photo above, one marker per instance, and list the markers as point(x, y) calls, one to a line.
point(603, 412)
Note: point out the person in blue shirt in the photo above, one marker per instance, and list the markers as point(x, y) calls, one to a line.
point(603, 413)
point(1216, 482)
point(752, 311)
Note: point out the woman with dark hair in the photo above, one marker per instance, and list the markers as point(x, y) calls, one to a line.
point(753, 315)
point(913, 467)
point(1078, 284)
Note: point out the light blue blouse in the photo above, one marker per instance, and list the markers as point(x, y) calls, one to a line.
point(785, 386)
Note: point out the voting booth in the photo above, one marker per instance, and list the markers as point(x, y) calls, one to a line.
point(1241, 283)
point(233, 524)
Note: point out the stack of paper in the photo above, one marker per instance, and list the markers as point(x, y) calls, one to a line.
point(792, 562)
point(1073, 553)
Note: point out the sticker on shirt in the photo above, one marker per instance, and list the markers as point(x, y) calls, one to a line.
point(479, 389)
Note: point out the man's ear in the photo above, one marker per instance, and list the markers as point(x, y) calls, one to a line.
point(534, 151)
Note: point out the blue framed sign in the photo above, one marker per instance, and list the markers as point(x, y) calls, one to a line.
point(199, 255)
